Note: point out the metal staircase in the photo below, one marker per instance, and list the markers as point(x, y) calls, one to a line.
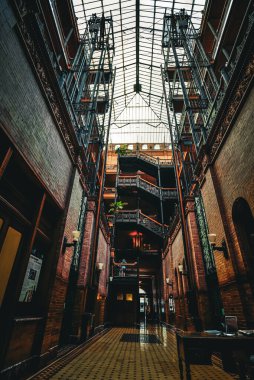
point(138, 182)
point(136, 216)
point(147, 159)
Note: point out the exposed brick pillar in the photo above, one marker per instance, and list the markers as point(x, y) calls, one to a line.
point(85, 256)
point(196, 258)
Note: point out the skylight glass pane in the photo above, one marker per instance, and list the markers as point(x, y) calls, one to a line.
point(146, 111)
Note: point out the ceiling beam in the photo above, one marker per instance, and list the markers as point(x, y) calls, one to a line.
point(137, 85)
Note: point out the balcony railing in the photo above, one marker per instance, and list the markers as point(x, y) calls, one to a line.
point(124, 271)
point(137, 181)
point(150, 159)
point(136, 216)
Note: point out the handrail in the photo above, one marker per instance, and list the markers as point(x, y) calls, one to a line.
point(146, 157)
point(138, 181)
point(145, 180)
point(136, 216)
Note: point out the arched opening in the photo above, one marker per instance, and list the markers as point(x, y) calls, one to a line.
point(244, 226)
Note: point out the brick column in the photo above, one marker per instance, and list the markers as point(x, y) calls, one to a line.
point(85, 256)
point(196, 258)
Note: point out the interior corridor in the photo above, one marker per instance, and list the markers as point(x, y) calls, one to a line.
point(127, 353)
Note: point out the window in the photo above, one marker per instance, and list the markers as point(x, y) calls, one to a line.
point(129, 297)
point(157, 147)
point(119, 297)
point(144, 147)
point(130, 147)
point(244, 225)
point(8, 254)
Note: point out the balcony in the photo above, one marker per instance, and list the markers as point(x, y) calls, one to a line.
point(137, 217)
point(140, 183)
point(143, 158)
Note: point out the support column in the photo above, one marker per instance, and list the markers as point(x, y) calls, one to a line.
point(200, 288)
point(79, 317)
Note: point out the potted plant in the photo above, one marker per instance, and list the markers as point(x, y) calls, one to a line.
point(116, 206)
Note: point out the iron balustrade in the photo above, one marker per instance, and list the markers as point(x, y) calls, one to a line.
point(137, 181)
point(120, 272)
point(150, 159)
point(136, 216)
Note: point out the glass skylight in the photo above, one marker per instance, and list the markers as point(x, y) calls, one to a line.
point(138, 117)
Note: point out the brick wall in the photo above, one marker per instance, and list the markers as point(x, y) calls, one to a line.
point(58, 295)
point(24, 114)
point(71, 225)
point(103, 256)
point(232, 177)
point(87, 244)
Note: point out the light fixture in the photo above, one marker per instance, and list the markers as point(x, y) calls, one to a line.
point(168, 282)
point(180, 269)
point(75, 239)
point(137, 238)
point(110, 278)
point(223, 248)
point(99, 266)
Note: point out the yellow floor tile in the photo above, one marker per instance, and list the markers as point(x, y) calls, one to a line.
point(110, 359)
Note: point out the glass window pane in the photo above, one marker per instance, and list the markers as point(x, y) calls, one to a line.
point(129, 297)
point(7, 257)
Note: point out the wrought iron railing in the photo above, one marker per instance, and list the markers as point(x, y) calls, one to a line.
point(136, 216)
point(124, 271)
point(137, 181)
point(150, 159)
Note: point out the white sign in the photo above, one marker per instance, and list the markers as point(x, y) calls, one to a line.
point(31, 279)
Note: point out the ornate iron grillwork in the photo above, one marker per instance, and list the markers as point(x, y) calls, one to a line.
point(150, 159)
point(136, 216)
point(137, 181)
point(81, 227)
point(203, 235)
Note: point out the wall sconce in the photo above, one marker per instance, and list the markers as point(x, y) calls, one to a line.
point(168, 282)
point(75, 239)
point(223, 248)
point(180, 269)
point(99, 266)
point(110, 278)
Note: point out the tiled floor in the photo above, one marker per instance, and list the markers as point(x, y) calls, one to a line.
point(109, 358)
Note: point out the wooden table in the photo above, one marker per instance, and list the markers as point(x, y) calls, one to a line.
point(197, 348)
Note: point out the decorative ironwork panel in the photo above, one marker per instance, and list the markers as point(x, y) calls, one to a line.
point(203, 234)
point(139, 182)
point(149, 187)
point(81, 228)
point(168, 194)
point(150, 159)
point(137, 217)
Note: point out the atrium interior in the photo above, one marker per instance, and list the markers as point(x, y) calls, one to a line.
point(126, 189)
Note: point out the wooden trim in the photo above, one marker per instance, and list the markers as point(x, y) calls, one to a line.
point(37, 222)
point(15, 211)
point(6, 161)
point(30, 167)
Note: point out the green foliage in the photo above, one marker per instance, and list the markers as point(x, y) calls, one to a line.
point(117, 206)
point(122, 150)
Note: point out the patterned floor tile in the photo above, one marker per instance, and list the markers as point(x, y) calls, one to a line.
point(111, 358)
